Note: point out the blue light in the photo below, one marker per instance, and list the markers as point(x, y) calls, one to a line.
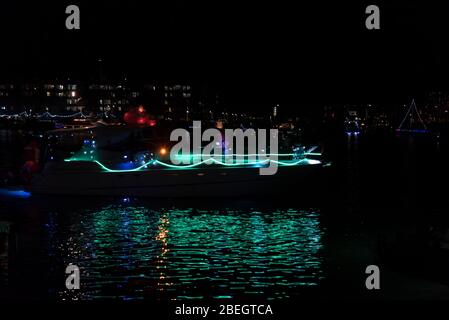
point(15, 193)
point(126, 165)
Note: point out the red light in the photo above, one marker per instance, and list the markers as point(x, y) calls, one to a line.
point(126, 116)
point(138, 116)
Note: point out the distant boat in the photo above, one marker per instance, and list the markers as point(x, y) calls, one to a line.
point(352, 127)
point(412, 122)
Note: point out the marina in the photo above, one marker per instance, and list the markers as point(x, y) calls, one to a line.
point(255, 248)
point(204, 159)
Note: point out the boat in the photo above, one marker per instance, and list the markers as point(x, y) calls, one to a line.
point(412, 123)
point(109, 171)
point(352, 126)
point(89, 178)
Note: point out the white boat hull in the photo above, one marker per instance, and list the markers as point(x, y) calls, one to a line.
point(76, 178)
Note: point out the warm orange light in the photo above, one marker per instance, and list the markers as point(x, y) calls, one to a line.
point(163, 151)
point(141, 109)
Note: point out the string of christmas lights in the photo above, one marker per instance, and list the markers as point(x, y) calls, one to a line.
point(304, 161)
point(45, 114)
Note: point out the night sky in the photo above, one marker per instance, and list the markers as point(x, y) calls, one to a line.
point(270, 51)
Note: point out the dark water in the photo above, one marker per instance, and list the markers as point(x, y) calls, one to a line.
point(131, 249)
point(133, 252)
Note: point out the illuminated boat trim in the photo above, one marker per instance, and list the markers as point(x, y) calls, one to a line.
point(304, 161)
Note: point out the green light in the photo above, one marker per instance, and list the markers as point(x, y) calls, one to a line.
point(290, 163)
point(190, 158)
point(191, 166)
point(209, 161)
point(137, 252)
point(251, 155)
point(108, 169)
point(313, 153)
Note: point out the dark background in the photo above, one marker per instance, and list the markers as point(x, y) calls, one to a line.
point(297, 53)
point(254, 51)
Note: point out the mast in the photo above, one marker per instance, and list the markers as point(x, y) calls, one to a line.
point(409, 115)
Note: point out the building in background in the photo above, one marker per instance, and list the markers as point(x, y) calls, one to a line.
point(168, 101)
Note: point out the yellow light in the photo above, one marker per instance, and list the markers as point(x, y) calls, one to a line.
point(163, 151)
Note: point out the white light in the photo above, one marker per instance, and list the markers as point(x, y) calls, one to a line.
point(311, 161)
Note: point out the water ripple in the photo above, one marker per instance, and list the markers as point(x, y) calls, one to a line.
point(134, 253)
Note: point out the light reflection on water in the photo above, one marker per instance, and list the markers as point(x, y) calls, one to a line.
point(134, 253)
